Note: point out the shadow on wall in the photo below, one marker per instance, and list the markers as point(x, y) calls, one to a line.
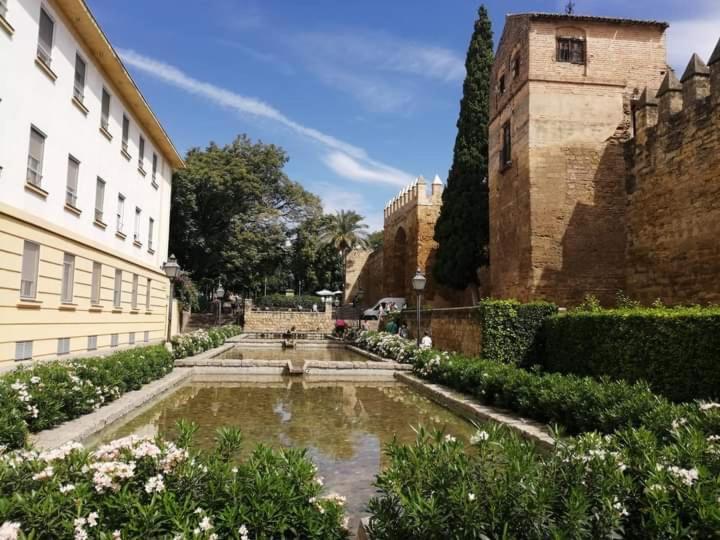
point(593, 244)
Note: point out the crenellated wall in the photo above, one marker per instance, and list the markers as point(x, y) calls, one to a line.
point(673, 210)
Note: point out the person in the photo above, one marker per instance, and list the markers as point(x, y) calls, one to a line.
point(363, 325)
point(426, 341)
point(314, 308)
point(403, 331)
point(381, 311)
point(340, 326)
point(391, 327)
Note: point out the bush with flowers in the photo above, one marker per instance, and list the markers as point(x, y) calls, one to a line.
point(202, 340)
point(144, 488)
point(46, 394)
point(387, 345)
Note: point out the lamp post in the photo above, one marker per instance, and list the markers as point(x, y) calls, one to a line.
point(418, 283)
point(220, 293)
point(171, 269)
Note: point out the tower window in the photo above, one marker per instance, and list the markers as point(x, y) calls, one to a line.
point(571, 50)
point(506, 152)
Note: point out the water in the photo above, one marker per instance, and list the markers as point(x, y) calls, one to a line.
point(325, 354)
point(344, 425)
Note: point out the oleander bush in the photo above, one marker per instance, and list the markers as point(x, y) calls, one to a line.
point(47, 394)
point(142, 488)
point(675, 350)
point(386, 345)
point(628, 485)
point(280, 301)
point(184, 345)
point(512, 332)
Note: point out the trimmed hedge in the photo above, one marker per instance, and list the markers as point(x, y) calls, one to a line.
point(675, 350)
point(511, 331)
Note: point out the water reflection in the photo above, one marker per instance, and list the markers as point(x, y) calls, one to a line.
point(344, 425)
point(325, 354)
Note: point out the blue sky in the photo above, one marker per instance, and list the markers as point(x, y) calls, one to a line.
point(363, 96)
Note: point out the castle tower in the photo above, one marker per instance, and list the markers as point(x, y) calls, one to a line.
point(563, 88)
point(408, 243)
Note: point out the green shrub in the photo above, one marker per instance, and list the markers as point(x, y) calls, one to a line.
point(511, 331)
point(143, 488)
point(677, 351)
point(47, 394)
point(289, 302)
point(192, 343)
point(630, 485)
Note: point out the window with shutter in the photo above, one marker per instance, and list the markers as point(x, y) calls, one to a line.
point(148, 288)
point(135, 285)
point(35, 157)
point(136, 234)
point(99, 199)
point(23, 350)
point(151, 226)
point(105, 113)
point(92, 343)
point(141, 152)
point(68, 278)
point(125, 133)
point(72, 181)
point(45, 37)
point(28, 278)
point(96, 283)
point(63, 346)
point(117, 290)
point(120, 212)
point(79, 84)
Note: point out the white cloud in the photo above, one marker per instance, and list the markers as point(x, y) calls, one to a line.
point(247, 105)
point(371, 171)
point(334, 199)
point(688, 36)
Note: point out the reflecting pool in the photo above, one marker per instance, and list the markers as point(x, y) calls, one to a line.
point(326, 354)
point(344, 425)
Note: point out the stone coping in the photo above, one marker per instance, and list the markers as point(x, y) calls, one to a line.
point(473, 410)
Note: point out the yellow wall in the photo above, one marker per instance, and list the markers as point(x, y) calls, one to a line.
point(47, 319)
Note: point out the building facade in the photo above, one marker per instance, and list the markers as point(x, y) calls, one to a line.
point(85, 185)
point(561, 105)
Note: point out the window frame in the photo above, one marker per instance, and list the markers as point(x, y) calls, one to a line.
point(151, 232)
point(120, 214)
point(567, 55)
point(502, 85)
point(45, 56)
point(96, 284)
point(67, 284)
point(125, 133)
point(154, 167)
point(141, 152)
point(135, 287)
point(92, 343)
point(4, 9)
point(71, 192)
point(63, 346)
point(37, 171)
point(136, 232)
point(117, 288)
point(515, 67)
point(148, 289)
point(79, 90)
point(131, 338)
point(27, 344)
point(105, 114)
point(99, 211)
point(114, 340)
point(36, 266)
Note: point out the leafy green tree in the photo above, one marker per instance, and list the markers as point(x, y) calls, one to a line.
point(375, 240)
point(233, 214)
point(462, 230)
point(344, 231)
point(315, 264)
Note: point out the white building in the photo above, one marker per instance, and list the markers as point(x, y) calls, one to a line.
point(85, 181)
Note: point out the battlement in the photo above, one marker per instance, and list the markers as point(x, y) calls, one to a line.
point(413, 195)
point(696, 94)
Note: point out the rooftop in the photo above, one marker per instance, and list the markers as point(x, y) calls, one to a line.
point(588, 18)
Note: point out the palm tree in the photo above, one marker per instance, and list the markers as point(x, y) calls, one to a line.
point(344, 231)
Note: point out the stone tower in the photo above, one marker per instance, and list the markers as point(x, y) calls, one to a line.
point(408, 244)
point(560, 113)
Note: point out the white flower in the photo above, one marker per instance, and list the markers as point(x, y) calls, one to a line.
point(479, 437)
point(319, 480)
point(450, 438)
point(205, 524)
point(34, 379)
point(678, 422)
point(471, 497)
point(9, 530)
point(46, 473)
point(155, 484)
point(92, 519)
point(117, 535)
point(234, 470)
point(243, 530)
point(707, 405)
point(686, 476)
point(67, 488)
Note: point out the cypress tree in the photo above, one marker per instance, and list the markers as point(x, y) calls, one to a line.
point(462, 230)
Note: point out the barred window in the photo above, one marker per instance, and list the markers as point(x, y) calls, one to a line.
point(506, 152)
point(571, 50)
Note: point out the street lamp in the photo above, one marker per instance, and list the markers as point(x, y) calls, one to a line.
point(171, 269)
point(220, 293)
point(418, 283)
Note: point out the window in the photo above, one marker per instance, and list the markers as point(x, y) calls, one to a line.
point(68, 278)
point(148, 288)
point(515, 67)
point(28, 278)
point(571, 50)
point(45, 37)
point(92, 343)
point(131, 338)
point(141, 152)
point(134, 291)
point(105, 115)
point(72, 182)
point(95, 286)
point(125, 133)
point(114, 340)
point(35, 157)
point(506, 153)
point(501, 84)
point(154, 166)
point(151, 226)
point(63, 345)
point(136, 234)
point(147, 336)
point(120, 212)
point(117, 289)
point(23, 350)
point(99, 199)
point(79, 85)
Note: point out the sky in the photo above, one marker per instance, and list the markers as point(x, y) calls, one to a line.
point(363, 96)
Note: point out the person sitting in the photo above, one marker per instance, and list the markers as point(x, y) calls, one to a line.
point(426, 341)
point(403, 331)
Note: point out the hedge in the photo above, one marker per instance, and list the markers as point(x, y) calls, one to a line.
point(676, 350)
point(511, 331)
point(184, 345)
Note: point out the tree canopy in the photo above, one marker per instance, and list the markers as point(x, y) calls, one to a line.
point(462, 230)
point(344, 231)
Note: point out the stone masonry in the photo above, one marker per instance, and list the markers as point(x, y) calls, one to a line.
point(452, 329)
point(282, 321)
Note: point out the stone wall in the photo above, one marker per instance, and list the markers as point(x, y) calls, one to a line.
point(364, 274)
point(673, 214)
point(281, 321)
point(451, 329)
